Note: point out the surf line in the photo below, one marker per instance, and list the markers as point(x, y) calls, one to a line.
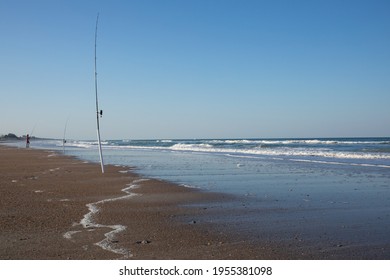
point(88, 222)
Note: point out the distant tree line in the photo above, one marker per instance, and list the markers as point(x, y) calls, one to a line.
point(9, 136)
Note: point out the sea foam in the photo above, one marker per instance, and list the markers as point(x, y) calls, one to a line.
point(88, 222)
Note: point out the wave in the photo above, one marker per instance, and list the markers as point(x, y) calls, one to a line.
point(190, 147)
point(335, 141)
point(318, 142)
point(367, 149)
point(241, 143)
point(281, 152)
point(85, 144)
point(288, 152)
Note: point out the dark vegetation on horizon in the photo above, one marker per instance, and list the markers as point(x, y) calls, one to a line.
point(12, 136)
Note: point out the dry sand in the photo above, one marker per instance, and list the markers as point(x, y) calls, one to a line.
point(57, 207)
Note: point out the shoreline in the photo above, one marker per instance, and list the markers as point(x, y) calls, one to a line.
point(58, 207)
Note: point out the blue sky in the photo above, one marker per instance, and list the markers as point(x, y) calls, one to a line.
point(196, 69)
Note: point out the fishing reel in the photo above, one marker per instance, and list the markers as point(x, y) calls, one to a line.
point(101, 113)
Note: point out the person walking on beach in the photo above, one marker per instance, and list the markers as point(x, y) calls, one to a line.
point(28, 141)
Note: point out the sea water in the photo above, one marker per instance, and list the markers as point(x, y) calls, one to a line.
point(255, 167)
point(334, 192)
point(218, 164)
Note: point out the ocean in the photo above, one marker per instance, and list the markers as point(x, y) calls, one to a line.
point(330, 193)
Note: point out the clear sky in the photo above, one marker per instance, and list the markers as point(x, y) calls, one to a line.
point(196, 68)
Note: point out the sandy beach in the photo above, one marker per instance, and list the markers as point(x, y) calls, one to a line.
point(58, 207)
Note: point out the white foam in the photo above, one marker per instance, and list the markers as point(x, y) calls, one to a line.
point(54, 169)
point(189, 186)
point(107, 243)
point(88, 222)
point(68, 235)
point(280, 152)
point(195, 147)
point(81, 144)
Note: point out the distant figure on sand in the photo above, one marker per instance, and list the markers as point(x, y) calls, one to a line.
point(28, 141)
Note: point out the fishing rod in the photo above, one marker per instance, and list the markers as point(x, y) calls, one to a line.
point(64, 139)
point(99, 113)
point(32, 131)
